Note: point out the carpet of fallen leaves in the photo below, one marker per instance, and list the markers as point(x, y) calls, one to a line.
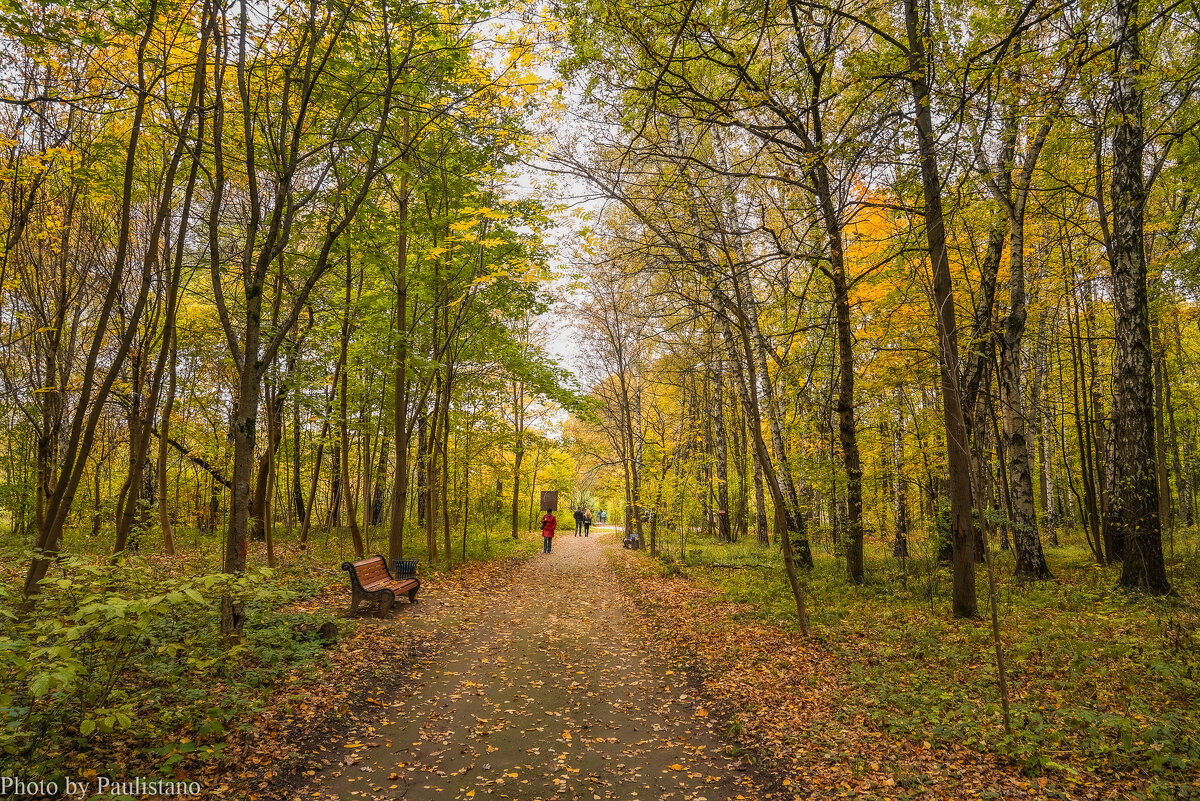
point(783, 700)
point(546, 694)
point(365, 671)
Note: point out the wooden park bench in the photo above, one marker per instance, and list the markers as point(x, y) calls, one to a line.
point(371, 580)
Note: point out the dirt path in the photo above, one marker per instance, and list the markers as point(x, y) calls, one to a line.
point(550, 696)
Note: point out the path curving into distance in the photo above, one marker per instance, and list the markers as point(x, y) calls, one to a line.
point(550, 696)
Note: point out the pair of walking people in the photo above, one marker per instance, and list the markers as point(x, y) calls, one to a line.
point(583, 521)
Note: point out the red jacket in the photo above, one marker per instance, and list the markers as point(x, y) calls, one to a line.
point(549, 521)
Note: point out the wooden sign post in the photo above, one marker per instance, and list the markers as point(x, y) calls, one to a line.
point(549, 500)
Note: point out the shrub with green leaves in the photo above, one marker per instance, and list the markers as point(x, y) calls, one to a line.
point(103, 645)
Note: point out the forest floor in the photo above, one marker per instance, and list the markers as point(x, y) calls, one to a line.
point(796, 706)
point(589, 674)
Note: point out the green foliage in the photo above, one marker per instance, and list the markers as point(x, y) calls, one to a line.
point(120, 649)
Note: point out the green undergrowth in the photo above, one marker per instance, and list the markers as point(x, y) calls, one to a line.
point(117, 660)
point(1100, 679)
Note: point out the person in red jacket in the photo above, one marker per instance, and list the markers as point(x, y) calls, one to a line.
point(549, 521)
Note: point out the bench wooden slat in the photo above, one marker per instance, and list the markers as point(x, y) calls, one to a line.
point(370, 579)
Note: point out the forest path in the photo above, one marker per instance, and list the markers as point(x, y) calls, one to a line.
point(552, 695)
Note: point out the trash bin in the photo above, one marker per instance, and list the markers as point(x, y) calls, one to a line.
point(406, 568)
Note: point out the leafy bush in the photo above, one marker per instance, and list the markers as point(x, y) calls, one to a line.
point(108, 647)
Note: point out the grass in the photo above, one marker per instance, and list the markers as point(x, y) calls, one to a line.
point(1100, 679)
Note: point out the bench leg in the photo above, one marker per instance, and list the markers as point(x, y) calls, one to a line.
point(412, 595)
point(355, 598)
point(385, 603)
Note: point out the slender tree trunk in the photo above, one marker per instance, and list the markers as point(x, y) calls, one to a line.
point(537, 458)
point(518, 396)
point(1039, 403)
point(378, 491)
point(466, 503)
point(307, 516)
point(724, 531)
point(847, 427)
point(400, 375)
point(1182, 479)
point(422, 466)
point(1031, 562)
point(445, 448)
point(1091, 505)
point(347, 491)
point(1160, 426)
point(297, 487)
point(431, 477)
point(900, 493)
point(964, 601)
point(268, 521)
point(761, 529)
point(741, 521)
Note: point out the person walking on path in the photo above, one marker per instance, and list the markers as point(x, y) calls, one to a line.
point(578, 521)
point(549, 521)
point(587, 522)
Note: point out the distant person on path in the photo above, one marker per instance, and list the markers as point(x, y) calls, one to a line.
point(587, 522)
point(549, 521)
point(578, 521)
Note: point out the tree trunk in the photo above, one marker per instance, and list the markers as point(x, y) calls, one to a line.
point(400, 375)
point(518, 396)
point(1031, 562)
point(900, 493)
point(1183, 481)
point(378, 493)
point(1135, 512)
point(431, 476)
point(1044, 421)
point(422, 465)
point(347, 491)
point(964, 601)
point(1160, 427)
point(724, 531)
point(307, 515)
point(297, 487)
point(445, 448)
point(761, 530)
point(847, 428)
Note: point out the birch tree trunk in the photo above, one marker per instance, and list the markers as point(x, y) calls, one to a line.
point(1135, 504)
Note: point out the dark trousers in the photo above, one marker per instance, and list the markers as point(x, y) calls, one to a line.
point(587, 526)
point(546, 541)
point(578, 527)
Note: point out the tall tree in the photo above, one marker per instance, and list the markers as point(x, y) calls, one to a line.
point(1133, 512)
